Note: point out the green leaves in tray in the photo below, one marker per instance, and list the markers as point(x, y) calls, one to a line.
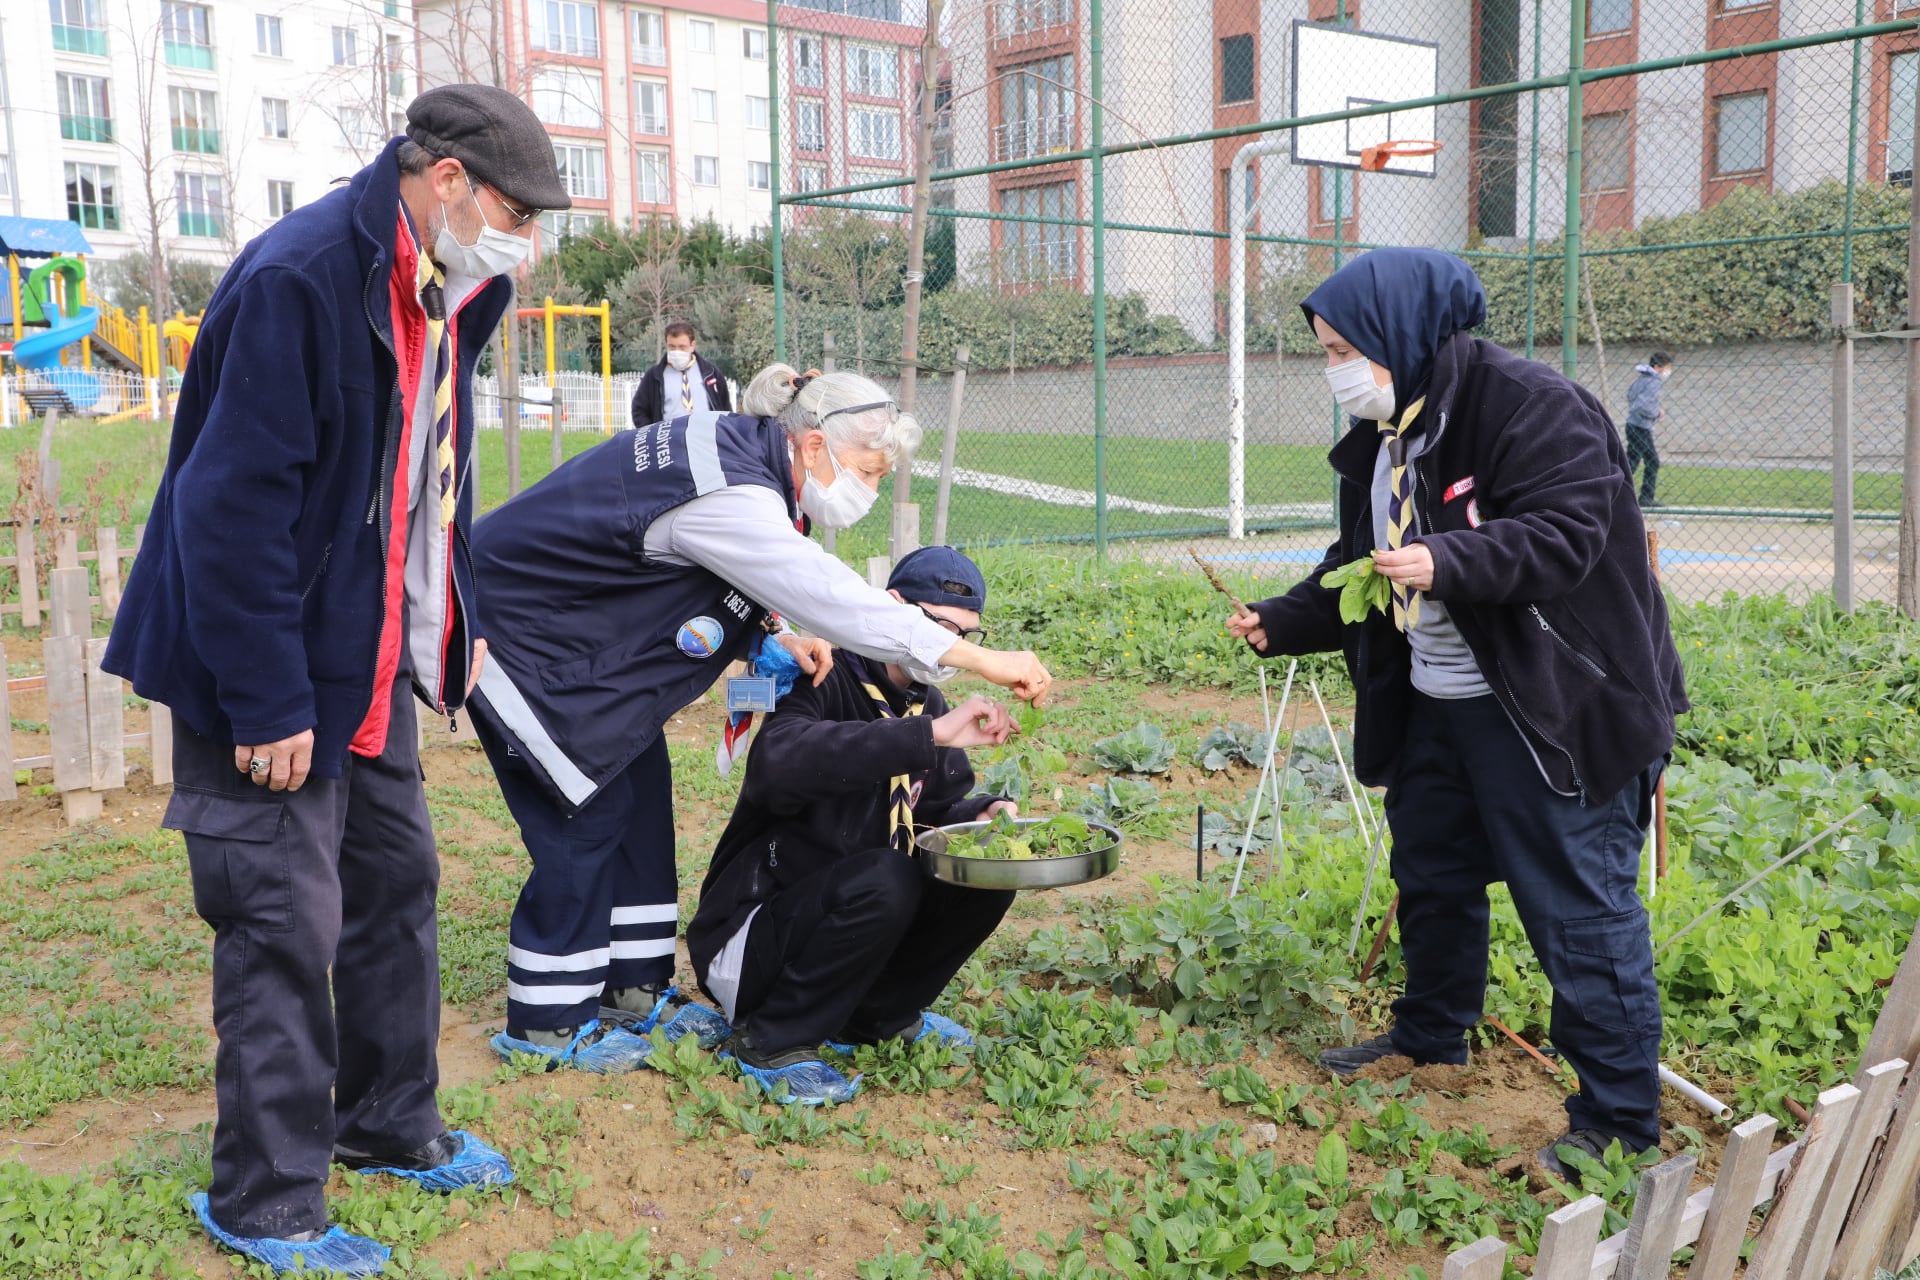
point(1004, 839)
point(1361, 586)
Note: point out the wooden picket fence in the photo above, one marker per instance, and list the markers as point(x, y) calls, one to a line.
point(1842, 1197)
point(107, 556)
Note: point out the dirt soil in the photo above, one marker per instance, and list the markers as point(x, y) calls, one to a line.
point(694, 1196)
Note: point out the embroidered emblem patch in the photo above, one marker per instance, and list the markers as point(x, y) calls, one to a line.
point(1459, 488)
point(1473, 513)
point(700, 637)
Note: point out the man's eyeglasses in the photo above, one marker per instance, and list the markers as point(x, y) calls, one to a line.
point(520, 218)
point(974, 635)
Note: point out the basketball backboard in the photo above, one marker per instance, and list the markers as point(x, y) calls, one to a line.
point(1339, 70)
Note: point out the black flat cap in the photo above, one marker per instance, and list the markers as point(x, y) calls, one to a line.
point(496, 136)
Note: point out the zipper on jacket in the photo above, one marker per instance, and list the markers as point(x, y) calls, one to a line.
point(1565, 643)
point(773, 853)
point(326, 554)
point(389, 448)
point(1579, 787)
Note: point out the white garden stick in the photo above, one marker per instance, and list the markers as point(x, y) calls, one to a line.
point(1366, 891)
point(1260, 790)
point(1360, 812)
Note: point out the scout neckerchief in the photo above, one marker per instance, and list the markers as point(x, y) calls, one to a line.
point(1406, 601)
point(900, 795)
point(433, 297)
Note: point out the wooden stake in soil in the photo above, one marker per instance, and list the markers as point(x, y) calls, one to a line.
point(7, 789)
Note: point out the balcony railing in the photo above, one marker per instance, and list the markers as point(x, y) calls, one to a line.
point(86, 128)
point(94, 217)
point(810, 141)
point(650, 55)
point(201, 224)
point(196, 56)
point(1042, 135)
point(656, 125)
point(1044, 261)
point(80, 39)
point(204, 142)
point(1015, 19)
point(809, 77)
point(1899, 162)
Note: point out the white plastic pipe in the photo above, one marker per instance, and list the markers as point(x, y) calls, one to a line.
point(1238, 216)
point(1260, 788)
point(1694, 1093)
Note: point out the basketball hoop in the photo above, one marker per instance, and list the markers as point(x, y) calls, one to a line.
point(1375, 158)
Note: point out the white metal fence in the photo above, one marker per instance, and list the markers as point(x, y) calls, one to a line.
point(94, 393)
point(586, 401)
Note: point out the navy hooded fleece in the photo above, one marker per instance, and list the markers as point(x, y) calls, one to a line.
point(1538, 548)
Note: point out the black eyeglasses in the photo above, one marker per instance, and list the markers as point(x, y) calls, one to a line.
point(974, 635)
point(519, 219)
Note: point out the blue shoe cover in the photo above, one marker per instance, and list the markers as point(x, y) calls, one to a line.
point(697, 1020)
point(594, 1048)
point(804, 1084)
point(638, 1023)
point(931, 1024)
point(476, 1165)
point(337, 1251)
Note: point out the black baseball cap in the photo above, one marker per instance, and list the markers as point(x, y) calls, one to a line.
point(940, 575)
point(496, 136)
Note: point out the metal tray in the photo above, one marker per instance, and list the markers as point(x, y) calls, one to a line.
point(993, 873)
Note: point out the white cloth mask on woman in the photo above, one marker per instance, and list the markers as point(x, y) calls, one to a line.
point(840, 504)
point(1357, 393)
point(680, 359)
point(495, 253)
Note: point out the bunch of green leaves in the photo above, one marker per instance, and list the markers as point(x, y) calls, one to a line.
point(1145, 748)
point(1130, 804)
point(1361, 586)
point(1227, 743)
point(1005, 838)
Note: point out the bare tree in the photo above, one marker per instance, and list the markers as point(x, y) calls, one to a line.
point(658, 289)
point(464, 41)
point(147, 151)
point(846, 258)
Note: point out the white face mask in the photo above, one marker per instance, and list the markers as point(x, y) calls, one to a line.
point(840, 504)
point(1357, 393)
point(495, 253)
point(680, 359)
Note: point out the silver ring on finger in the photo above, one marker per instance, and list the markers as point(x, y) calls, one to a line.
point(259, 765)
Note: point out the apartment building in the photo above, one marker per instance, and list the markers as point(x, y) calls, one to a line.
point(207, 120)
point(665, 109)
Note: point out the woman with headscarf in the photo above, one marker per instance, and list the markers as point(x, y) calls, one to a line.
point(1517, 699)
point(614, 593)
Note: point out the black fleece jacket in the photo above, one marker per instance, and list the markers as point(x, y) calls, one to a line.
point(649, 395)
point(818, 781)
point(1540, 556)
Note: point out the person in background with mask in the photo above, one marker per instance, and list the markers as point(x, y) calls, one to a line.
point(1643, 410)
point(304, 577)
point(682, 382)
point(1518, 699)
point(619, 589)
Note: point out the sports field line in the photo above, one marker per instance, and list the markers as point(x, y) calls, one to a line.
point(1061, 496)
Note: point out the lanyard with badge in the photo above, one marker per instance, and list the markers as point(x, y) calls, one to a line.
point(754, 692)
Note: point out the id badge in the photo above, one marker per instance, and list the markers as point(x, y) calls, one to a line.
point(750, 693)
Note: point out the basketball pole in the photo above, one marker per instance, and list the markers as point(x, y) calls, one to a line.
point(1237, 219)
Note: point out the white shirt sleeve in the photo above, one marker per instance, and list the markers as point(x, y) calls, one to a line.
point(742, 534)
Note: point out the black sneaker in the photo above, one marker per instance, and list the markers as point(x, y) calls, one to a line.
point(1590, 1142)
point(1347, 1059)
point(431, 1155)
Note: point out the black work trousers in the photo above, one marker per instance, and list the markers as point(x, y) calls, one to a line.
point(326, 968)
point(1468, 807)
point(855, 952)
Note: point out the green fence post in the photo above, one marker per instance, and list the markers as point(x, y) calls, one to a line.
point(1097, 180)
point(1533, 193)
point(1853, 151)
point(773, 182)
point(1576, 66)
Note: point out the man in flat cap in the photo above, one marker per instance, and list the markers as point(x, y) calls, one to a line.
point(304, 577)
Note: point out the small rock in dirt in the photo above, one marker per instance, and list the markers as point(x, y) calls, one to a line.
point(1264, 1134)
point(746, 1175)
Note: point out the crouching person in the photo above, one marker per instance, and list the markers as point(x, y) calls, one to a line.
point(815, 924)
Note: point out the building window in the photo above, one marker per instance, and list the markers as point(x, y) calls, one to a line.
point(266, 35)
point(1328, 187)
point(706, 106)
point(273, 117)
point(279, 199)
point(649, 38)
point(810, 177)
point(809, 62)
point(582, 169)
point(78, 26)
point(873, 71)
point(91, 196)
point(84, 112)
point(1606, 153)
point(753, 43)
point(567, 26)
point(759, 175)
point(1740, 133)
point(650, 106)
point(359, 128)
point(346, 47)
point(568, 96)
point(195, 118)
point(202, 204)
point(810, 126)
point(1744, 4)
point(187, 31)
point(6, 175)
point(395, 62)
point(1039, 252)
point(699, 35)
point(650, 167)
point(396, 124)
point(1903, 80)
point(1604, 17)
point(706, 171)
point(565, 226)
point(1236, 69)
point(875, 134)
point(1023, 17)
point(1036, 109)
point(756, 111)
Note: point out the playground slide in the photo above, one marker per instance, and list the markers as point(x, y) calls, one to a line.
point(41, 352)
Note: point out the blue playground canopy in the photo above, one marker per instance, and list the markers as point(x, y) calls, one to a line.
point(41, 237)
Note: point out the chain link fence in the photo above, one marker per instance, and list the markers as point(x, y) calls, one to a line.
point(1692, 179)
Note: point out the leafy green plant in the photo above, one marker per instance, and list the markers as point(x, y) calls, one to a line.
point(1131, 804)
point(1234, 741)
point(1362, 588)
point(1145, 748)
point(1006, 839)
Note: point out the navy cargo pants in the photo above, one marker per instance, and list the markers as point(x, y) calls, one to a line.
point(1468, 807)
point(326, 968)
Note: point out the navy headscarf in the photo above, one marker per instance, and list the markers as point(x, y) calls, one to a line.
point(1397, 306)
